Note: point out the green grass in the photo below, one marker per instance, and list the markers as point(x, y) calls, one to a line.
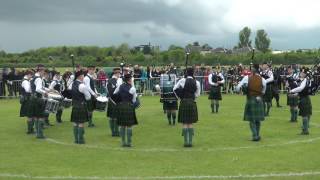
point(222, 145)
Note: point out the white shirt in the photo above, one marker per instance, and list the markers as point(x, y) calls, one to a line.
point(26, 85)
point(215, 84)
point(301, 87)
point(70, 81)
point(54, 83)
point(132, 91)
point(40, 88)
point(182, 82)
point(84, 90)
point(245, 80)
point(86, 82)
point(270, 74)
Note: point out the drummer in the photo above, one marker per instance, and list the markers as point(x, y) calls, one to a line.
point(39, 91)
point(79, 113)
point(46, 80)
point(89, 83)
point(170, 103)
point(112, 84)
point(126, 114)
point(25, 101)
point(57, 85)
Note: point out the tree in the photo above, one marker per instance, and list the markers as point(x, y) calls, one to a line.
point(244, 38)
point(262, 41)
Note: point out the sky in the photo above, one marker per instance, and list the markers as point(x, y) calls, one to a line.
point(31, 24)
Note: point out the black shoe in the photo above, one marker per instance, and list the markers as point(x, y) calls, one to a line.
point(91, 125)
point(41, 137)
point(304, 133)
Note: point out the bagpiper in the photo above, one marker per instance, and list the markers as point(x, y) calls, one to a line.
point(90, 84)
point(216, 80)
point(188, 89)
point(79, 114)
point(267, 74)
point(25, 101)
point(292, 98)
point(126, 114)
point(305, 106)
point(254, 86)
point(112, 84)
point(39, 92)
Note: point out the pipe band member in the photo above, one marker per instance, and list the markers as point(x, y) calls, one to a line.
point(79, 114)
point(188, 112)
point(25, 101)
point(267, 74)
point(305, 106)
point(90, 84)
point(126, 114)
point(39, 92)
point(254, 109)
point(112, 84)
point(216, 80)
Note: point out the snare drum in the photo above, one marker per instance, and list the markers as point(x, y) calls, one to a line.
point(101, 103)
point(66, 103)
point(55, 96)
point(52, 106)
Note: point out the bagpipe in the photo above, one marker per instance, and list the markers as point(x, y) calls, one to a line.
point(179, 92)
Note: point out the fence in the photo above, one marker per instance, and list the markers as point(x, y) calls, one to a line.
point(11, 89)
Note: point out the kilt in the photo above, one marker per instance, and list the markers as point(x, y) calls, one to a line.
point(254, 110)
point(268, 95)
point(188, 111)
point(215, 93)
point(37, 108)
point(91, 104)
point(26, 107)
point(111, 110)
point(292, 100)
point(79, 113)
point(126, 114)
point(170, 105)
point(305, 106)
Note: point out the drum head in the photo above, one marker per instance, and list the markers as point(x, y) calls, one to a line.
point(102, 99)
point(54, 95)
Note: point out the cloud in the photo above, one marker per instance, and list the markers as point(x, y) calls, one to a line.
point(26, 24)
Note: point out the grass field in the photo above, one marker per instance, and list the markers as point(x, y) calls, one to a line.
point(222, 147)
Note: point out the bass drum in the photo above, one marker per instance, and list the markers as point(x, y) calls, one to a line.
point(167, 83)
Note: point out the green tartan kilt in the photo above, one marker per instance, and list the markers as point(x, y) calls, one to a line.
point(188, 111)
point(91, 104)
point(305, 106)
point(37, 108)
point(79, 113)
point(268, 95)
point(111, 110)
point(215, 93)
point(292, 100)
point(254, 110)
point(170, 105)
point(26, 107)
point(126, 114)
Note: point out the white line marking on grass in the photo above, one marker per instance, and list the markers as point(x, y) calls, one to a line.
point(240, 176)
point(182, 149)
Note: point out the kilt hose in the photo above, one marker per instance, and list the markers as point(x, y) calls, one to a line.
point(305, 106)
point(292, 100)
point(268, 94)
point(111, 110)
point(26, 107)
point(37, 108)
point(79, 113)
point(254, 110)
point(215, 93)
point(188, 111)
point(170, 105)
point(126, 114)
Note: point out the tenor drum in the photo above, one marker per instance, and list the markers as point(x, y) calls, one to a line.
point(52, 106)
point(101, 103)
point(55, 96)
